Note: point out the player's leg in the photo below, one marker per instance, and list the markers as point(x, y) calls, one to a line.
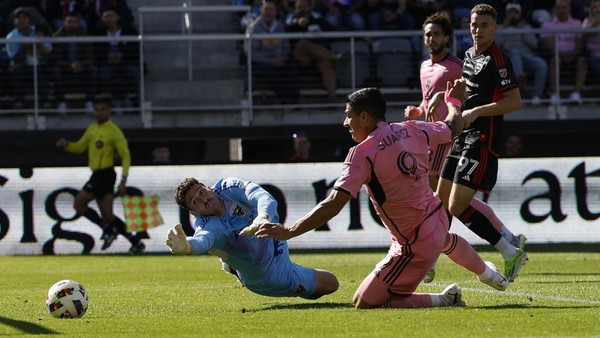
point(517, 241)
point(463, 254)
point(472, 176)
point(396, 277)
point(326, 283)
point(80, 204)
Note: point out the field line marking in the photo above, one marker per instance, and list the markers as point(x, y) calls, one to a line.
point(532, 295)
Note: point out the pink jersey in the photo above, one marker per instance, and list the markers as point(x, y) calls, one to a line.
point(434, 77)
point(592, 41)
point(392, 163)
point(566, 41)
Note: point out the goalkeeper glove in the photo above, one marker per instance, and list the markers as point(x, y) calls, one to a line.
point(253, 228)
point(177, 241)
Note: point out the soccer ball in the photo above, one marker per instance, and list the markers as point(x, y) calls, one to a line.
point(67, 299)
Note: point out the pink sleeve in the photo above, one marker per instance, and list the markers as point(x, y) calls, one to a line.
point(355, 172)
point(438, 132)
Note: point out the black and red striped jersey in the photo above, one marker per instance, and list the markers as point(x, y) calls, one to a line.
point(488, 75)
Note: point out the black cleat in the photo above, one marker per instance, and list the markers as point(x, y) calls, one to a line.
point(109, 237)
point(137, 249)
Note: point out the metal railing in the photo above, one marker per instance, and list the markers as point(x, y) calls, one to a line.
point(245, 103)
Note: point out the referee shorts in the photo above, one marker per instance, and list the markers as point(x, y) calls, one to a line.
point(102, 182)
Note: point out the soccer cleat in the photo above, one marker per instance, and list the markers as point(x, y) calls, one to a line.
point(452, 296)
point(430, 276)
point(497, 281)
point(109, 237)
point(519, 241)
point(227, 269)
point(513, 265)
point(137, 248)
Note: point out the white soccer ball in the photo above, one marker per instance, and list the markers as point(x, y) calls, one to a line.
point(67, 299)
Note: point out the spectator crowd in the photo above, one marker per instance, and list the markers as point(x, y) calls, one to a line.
point(110, 67)
point(532, 54)
point(113, 67)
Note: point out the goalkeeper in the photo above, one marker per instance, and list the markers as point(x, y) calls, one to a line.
point(262, 265)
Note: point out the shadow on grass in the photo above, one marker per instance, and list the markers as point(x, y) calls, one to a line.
point(308, 306)
point(526, 306)
point(26, 327)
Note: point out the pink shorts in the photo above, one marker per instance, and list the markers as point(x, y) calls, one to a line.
point(437, 156)
point(405, 265)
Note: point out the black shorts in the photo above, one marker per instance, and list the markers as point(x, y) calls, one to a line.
point(470, 163)
point(102, 182)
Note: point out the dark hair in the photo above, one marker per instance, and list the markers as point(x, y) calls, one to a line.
point(102, 100)
point(110, 8)
point(74, 13)
point(485, 9)
point(370, 100)
point(182, 189)
point(441, 19)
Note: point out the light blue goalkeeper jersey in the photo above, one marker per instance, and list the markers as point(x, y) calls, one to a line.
point(263, 265)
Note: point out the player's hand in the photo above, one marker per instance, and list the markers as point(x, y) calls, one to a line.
point(253, 228)
point(412, 112)
point(457, 89)
point(122, 188)
point(61, 143)
point(274, 230)
point(432, 105)
point(177, 241)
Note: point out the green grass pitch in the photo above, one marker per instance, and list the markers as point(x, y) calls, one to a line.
point(557, 294)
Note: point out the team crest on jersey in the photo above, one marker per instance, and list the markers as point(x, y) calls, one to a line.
point(238, 211)
point(428, 83)
point(503, 72)
point(481, 64)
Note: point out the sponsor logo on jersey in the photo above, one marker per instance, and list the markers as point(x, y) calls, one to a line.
point(238, 211)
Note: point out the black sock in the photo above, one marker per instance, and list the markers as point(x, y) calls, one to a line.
point(480, 225)
point(93, 216)
point(118, 224)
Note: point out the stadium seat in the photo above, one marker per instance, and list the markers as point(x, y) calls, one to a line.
point(394, 58)
point(361, 59)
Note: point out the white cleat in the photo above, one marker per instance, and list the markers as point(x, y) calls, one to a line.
point(497, 281)
point(452, 296)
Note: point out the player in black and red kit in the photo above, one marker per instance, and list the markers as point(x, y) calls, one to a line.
point(472, 164)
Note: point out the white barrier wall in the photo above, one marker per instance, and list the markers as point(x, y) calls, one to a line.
point(549, 200)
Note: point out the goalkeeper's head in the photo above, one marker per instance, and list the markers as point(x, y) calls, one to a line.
point(198, 199)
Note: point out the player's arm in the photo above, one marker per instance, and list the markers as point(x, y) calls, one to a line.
point(319, 215)
point(412, 112)
point(123, 149)
point(200, 243)
point(265, 205)
point(511, 101)
point(77, 147)
point(454, 97)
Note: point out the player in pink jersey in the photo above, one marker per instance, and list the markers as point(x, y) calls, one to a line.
point(435, 72)
point(391, 161)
